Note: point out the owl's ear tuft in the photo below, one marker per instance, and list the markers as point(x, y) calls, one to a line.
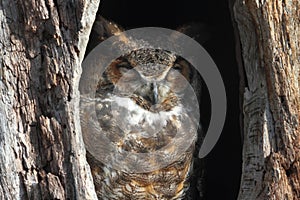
point(102, 29)
point(105, 28)
point(196, 30)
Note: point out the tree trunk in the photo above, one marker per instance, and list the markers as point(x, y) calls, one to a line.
point(270, 39)
point(42, 44)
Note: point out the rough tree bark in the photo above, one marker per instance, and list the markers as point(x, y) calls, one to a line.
point(270, 38)
point(42, 44)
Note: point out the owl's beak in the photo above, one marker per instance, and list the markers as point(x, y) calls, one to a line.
point(155, 93)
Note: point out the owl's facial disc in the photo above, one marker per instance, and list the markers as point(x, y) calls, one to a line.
point(153, 79)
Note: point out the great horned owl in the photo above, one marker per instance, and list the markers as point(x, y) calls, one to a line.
point(143, 106)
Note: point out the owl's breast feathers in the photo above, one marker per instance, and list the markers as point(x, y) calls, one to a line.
point(169, 183)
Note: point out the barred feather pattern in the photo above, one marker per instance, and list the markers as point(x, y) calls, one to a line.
point(170, 183)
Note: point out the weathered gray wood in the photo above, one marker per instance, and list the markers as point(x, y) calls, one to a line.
point(270, 38)
point(42, 44)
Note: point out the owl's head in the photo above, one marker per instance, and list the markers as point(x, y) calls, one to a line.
point(153, 78)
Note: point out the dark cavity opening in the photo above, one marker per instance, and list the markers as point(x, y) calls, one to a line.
point(223, 164)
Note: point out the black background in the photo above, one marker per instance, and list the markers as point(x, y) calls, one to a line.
point(224, 162)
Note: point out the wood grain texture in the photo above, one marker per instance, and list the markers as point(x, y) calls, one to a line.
point(42, 44)
point(270, 36)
